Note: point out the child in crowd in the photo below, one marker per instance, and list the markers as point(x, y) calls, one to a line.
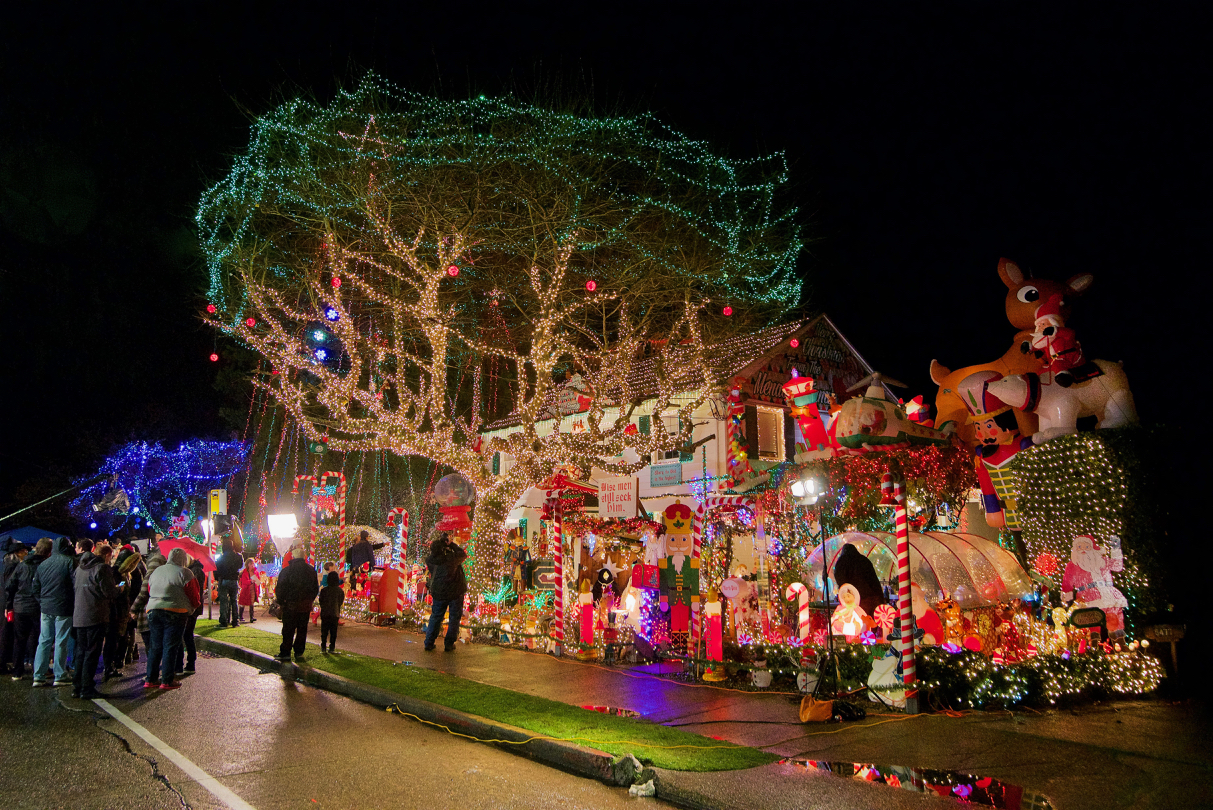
point(331, 598)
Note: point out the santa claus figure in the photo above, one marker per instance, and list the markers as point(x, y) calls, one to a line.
point(1088, 580)
point(1060, 345)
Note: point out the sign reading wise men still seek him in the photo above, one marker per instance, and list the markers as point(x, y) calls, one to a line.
point(617, 497)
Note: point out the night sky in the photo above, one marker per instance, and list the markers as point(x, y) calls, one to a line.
point(925, 143)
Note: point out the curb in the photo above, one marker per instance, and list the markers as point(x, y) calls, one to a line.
point(570, 757)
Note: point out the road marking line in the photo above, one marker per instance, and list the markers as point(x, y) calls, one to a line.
point(200, 776)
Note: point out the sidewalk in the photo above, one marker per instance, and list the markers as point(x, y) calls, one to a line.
point(1143, 754)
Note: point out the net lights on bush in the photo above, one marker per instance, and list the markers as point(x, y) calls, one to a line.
point(328, 190)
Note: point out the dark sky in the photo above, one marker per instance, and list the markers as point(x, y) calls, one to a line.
point(925, 142)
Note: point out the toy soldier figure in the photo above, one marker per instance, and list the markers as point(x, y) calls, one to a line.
point(678, 574)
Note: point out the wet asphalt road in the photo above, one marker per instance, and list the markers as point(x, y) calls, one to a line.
point(273, 743)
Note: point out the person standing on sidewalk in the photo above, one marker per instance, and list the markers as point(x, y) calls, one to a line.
point(227, 574)
point(95, 587)
point(331, 599)
point(55, 590)
point(173, 595)
point(12, 558)
point(448, 584)
point(187, 659)
point(22, 606)
point(296, 591)
point(139, 606)
point(114, 650)
point(249, 589)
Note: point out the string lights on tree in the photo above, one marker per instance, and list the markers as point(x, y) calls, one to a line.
point(439, 242)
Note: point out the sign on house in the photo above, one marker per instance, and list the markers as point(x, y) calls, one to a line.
point(665, 475)
point(617, 497)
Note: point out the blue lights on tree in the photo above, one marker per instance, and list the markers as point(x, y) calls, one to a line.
point(146, 485)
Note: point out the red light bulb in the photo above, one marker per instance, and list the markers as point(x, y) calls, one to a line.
point(211, 308)
point(453, 270)
point(214, 357)
point(591, 285)
point(251, 322)
point(336, 281)
point(727, 311)
point(794, 343)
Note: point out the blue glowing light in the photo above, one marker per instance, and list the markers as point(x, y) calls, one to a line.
point(93, 525)
point(332, 314)
point(321, 354)
point(320, 335)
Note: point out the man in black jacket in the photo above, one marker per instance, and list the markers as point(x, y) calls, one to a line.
point(448, 584)
point(14, 556)
point(296, 591)
point(22, 606)
point(55, 590)
point(227, 574)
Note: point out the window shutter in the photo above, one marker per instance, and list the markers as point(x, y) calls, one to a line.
point(497, 463)
point(789, 438)
point(646, 425)
point(684, 456)
point(751, 431)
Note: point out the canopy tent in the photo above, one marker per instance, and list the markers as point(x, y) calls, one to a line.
point(28, 535)
point(970, 569)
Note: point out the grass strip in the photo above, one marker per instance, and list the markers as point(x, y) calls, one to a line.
point(652, 743)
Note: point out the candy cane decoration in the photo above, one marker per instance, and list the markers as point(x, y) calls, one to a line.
point(696, 542)
point(341, 490)
point(558, 561)
point(904, 603)
point(798, 591)
point(401, 568)
point(311, 551)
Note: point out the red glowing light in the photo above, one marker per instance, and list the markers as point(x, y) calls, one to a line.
point(211, 308)
point(336, 281)
point(453, 270)
point(214, 357)
point(794, 343)
point(591, 285)
point(727, 311)
point(251, 322)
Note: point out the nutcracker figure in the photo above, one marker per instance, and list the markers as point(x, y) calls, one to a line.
point(678, 574)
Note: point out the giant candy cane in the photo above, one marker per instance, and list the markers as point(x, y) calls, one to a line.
point(696, 542)
point(311, 551)
point(904, 603)
point(341, 489)
point(798, 591)
point(401, 568)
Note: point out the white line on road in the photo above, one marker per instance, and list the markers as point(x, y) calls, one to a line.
point(193, 771)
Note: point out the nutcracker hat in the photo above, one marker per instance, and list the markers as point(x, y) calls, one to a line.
point(1051, 308)
point(974, 390)
point(677, 511)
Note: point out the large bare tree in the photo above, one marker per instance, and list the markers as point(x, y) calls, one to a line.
point(412, 268)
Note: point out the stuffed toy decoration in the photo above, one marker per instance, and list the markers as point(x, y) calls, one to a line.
point(1062, 351)
point(849, 618)
point(926, 618)
point(1087, 580)
point(918, 411)
point(803, 401)
point(953, 625)
point(679, 573)
point(998, 442)
point(884, 675)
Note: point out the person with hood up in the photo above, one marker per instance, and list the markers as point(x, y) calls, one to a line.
point(95, 588)
point(331, 598)
point(114, 650)
point(448, 584)
point(250, 589)
point(55, 589)
point(139, 606)
point(173, 594)
point(21, 603)
point(296, 591)
point(852, 568)
point(13, 556)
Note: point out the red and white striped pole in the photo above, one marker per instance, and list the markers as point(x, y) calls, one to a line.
point(311, 551)
point(557, 511)
point(341, 490)
point(400, 566)
point(905, 607)
point(696, 543)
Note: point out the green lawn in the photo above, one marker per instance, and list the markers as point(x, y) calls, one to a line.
point(662, 746)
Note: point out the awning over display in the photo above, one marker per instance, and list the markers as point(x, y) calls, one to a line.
point(970, 569)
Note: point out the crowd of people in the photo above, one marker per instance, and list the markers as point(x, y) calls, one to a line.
point(76, 610)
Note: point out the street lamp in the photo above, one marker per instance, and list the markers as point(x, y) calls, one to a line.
point(807, 490)
point(282, 530)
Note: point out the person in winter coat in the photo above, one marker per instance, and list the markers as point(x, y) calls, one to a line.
point(448, 584)
point(95, 588)
point(250, 590)
point(852, 568)
point(114, 650)
point(173, 594)
point(55, 589)
point(22, 606)
point(296, 591)
point(139, 606)
point(331, 599)
point(188, 657)
point(15, 555)
point(359, 554)
point(227, 575)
